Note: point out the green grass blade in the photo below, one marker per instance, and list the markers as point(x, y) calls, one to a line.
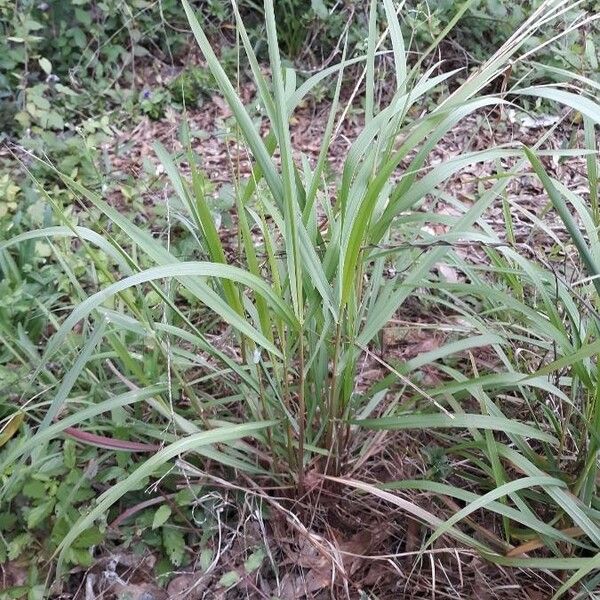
point(370, 81)
point(483, 501)
point(474, 421)
point(397, 45)
point(68, 381)
point(291, 209)
point(528, 520)
point(41, 436)
point(428, 519)
point(79, 232)
point(479, 341)
point(566, 217)
point(592, 564)
point(592, 168)
point(585, 106)
point(243, 118)
point(182, 272)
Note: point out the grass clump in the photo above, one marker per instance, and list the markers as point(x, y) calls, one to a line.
point(271, 388)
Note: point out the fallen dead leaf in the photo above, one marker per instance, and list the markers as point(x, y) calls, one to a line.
point(352, 553)
point(188, 586)
point(224, 110)
point(144, 591)
point(412, 538)
point(447, 273)
point(14, 574)
point(426, 345)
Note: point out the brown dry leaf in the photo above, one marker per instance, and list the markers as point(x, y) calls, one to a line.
point(426, 345)
point(535, 594)
point(375, 574)
point(392, 336)
point(224, 110)
point(480, 589)
point(14, 574)
point(291, 587)
point(354, 553)
point(359, 546)
point(412, 538)
point(306, 556)
point(447, 273)
point(431, 378)
point(318, 577)
point(187, 585)
point(144, 591)
point(300, 586)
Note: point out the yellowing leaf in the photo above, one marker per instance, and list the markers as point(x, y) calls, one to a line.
point(11, 428)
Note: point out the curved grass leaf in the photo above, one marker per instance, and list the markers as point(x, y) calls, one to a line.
point(147, 468)
point(467, 421)
point(499, 492)
point(562, 209)
point(182, 271)
point(78, 232)
point(528, 520)
point(41, 436)
point(428, 519)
